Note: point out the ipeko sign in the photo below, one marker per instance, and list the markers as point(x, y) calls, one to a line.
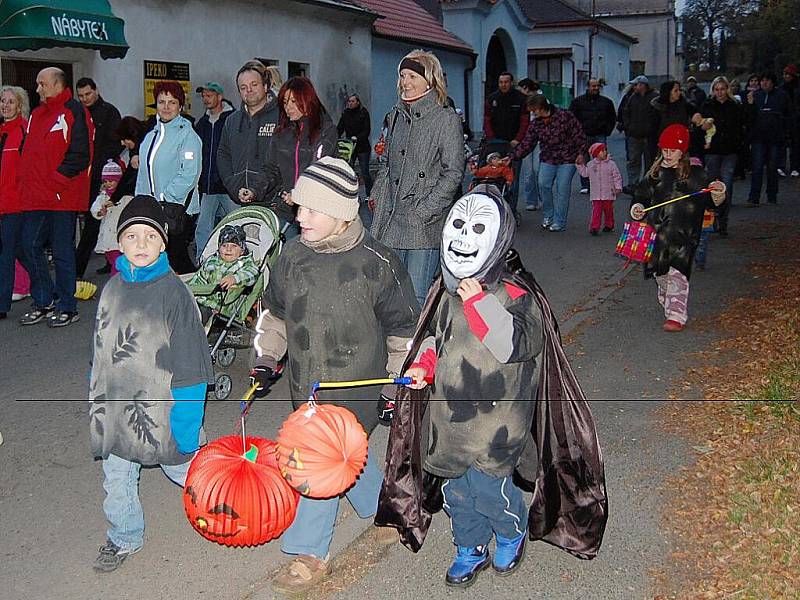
point(79, 29)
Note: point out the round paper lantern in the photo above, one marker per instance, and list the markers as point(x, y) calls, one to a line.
point(238, 499)
point(322, 449)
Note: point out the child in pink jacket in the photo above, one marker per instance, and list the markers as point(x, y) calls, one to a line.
point(605, 184)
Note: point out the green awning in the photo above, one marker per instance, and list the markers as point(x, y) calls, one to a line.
point(31, 25)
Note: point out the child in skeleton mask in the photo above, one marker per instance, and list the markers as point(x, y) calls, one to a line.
point(485, 356)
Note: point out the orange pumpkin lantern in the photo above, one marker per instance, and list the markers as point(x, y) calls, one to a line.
point(238, 499)
point(322, 449)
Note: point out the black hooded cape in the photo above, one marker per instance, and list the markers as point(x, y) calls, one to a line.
point(564, 469)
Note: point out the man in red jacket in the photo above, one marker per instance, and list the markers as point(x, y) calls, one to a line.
point(53, 180)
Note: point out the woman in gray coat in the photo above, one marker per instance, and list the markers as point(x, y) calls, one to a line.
point(421, 169)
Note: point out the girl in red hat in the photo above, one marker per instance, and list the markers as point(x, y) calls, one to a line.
point(678, 225)
point(605, 184)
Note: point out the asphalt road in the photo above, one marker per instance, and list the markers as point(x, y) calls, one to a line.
point(51, 490)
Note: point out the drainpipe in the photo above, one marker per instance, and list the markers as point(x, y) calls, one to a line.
point(467, 76)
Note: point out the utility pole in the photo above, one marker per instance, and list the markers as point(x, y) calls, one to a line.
point(592, 32)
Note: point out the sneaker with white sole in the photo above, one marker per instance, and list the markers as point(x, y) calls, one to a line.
point(795, 173)
point(62, 318)
point(111, 557)
point(781, 172)
point(584, 190)
point(18, 297)
point(36, 315)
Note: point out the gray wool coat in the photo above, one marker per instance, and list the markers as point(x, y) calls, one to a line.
point(420, 178)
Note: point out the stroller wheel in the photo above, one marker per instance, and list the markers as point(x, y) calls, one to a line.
point(222, 386)
point(225, 357)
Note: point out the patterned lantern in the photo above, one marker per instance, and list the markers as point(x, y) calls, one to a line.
point(636, 242)
point(238, 499)
point(322, 449)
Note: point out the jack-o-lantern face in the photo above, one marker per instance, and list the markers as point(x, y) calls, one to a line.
point(258, 505)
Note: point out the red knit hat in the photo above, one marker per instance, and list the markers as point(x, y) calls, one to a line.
point(674, 137)
point(791, 69)
point(596, 149)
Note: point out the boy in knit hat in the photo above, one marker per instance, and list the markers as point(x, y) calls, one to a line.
point(231, 266)
point(149, 376)
point(340, 306)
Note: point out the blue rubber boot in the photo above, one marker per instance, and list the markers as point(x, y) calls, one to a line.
point(508, 553)
point(469, 561)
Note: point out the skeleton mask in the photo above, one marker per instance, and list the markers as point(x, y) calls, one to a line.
point(470, 234)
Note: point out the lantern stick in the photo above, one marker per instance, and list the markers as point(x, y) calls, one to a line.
point(659, 205)
point(243, 406)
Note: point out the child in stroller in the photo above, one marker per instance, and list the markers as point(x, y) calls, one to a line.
point(229, 285)
point(496, 172)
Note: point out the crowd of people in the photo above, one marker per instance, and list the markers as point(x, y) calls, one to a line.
point(432, 261)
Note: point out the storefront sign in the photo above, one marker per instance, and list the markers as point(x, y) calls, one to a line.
point(82, 29)
point(154, 71)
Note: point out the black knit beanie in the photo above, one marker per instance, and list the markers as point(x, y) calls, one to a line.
point(145, 210)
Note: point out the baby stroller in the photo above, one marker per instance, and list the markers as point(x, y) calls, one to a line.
point(235, 312)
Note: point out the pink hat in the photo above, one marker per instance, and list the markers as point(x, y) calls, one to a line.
point(596, 149)
point(112, 171)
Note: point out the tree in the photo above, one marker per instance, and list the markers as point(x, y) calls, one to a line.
point(713, 16)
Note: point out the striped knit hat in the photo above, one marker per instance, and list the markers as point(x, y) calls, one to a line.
point(328, 186)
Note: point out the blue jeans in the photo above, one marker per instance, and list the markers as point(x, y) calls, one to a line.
point(722, 167)
point(531, 188)
point(312, 530)
point(701, 254)
point(590, 139)
point(58, 228)
point(479, 505)
point(10, 249)
point(122, 506)
point(555, 185)
point(213, 207)
point(363, 163)
point(422, 265)
point(765, 156)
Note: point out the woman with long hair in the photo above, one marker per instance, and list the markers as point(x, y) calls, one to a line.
point(14, 281)
point(305, 134)
point(170, 162)
point(721, 156)
point(672, 106)
point(678, 225)
point(421, 169)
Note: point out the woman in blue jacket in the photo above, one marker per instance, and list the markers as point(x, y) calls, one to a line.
point(170, 161)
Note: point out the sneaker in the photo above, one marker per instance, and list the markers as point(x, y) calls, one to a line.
point(608, 229)
point(546, 223)
point(794, 173)
point(36, 315)
point(781, 172)
point(584, 190)
point(672, 326)
point(18, 297)
point(466, 565)
point(300, 575)
point(530, 207)
point(111, 557)
point(62, 318)
point(508, 554)
point(555, 227)
point(593, 231)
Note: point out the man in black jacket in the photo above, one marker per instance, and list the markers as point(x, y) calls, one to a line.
point(768, 111)
point(355, 123)
point(597, 116)
point(106, 119)
point(640, 122)
point(214, 200)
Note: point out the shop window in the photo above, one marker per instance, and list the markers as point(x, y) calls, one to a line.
point(298, 69)
point(545, 69)
point(23, 73)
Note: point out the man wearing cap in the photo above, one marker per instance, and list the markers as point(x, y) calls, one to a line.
point(597, 116)
point(214, 200)
point(694, 94)
point(640, 121)
point(792, 89)
point(106, 119)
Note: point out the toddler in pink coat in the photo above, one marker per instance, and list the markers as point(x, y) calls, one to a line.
point(605, 183)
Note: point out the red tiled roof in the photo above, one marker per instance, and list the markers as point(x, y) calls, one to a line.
point(407, 20)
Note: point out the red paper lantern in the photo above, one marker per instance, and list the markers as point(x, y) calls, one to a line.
point(238, 499)
point(322, 449)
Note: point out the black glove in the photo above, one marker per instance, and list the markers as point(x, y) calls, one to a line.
point(264, 377)
point(385, 409)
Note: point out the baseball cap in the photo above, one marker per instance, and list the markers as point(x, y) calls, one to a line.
point(640, 79)
point(691, 78)
point(210, 85)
